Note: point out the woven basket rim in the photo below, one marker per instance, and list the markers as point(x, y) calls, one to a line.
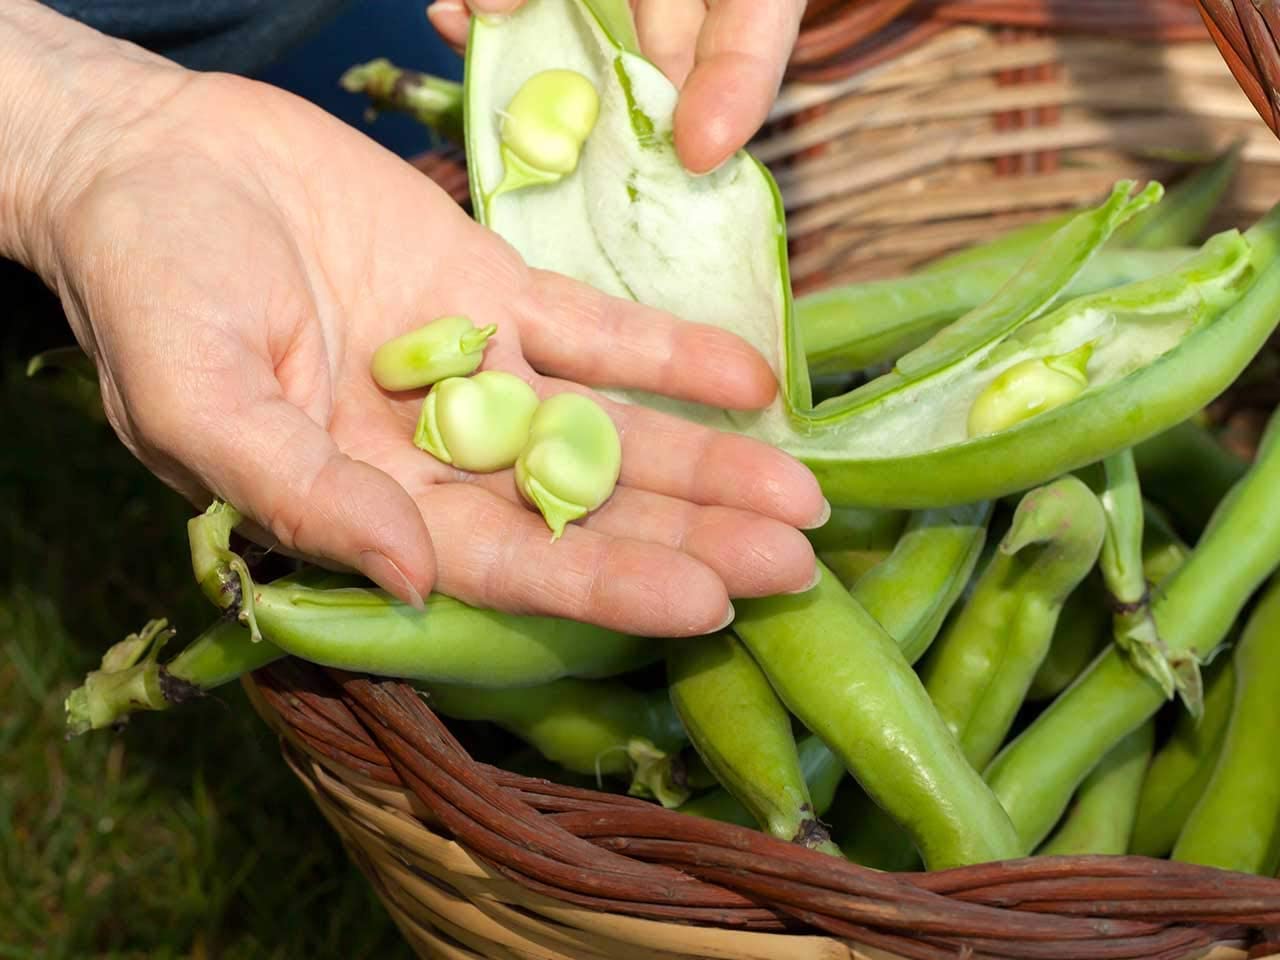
point(365, 731)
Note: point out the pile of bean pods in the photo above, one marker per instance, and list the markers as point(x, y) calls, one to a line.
point(1046, 619)
point(1079, 668)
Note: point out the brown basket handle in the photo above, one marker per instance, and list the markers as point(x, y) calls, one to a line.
point(1246, 33)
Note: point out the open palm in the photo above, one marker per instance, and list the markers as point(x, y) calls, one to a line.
point(232, 264)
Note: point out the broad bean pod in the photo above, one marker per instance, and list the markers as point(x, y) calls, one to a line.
point(876, 321)
point(600, 727)
point(823, 773)
point(366, 630)
point(743, 734)
point(1036, 774)
point(980, 670)
point(845, 679)
point(911, 592)
point(1236, 823)
point(132, 679)
point(1100, 820)
point(631, 221)
point(1084, 627)
point(1187, 472)
point(859, 325)
point(1182, 767)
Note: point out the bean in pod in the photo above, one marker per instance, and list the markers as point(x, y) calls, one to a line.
point(544, 127)
point(846, 680)
point(1236, 823)
point(979, 671)
point(743, 734)
point(599, 727)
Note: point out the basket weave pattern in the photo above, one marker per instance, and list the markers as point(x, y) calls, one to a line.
point(475, 861)
point(905, 129)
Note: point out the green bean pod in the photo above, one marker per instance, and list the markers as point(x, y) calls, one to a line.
point(851, 528)
point(1101, 817)
point(599, 727)
point(743, 734)
point(1084, 628)
point(1035, 775)
point(860, 325)
point(1187, 472)
point(911, 592)
point(366, 630)
point(1236, 823)
point(1192, 201)
point(823, 772)
point(132, 679)
point(846, 680)
point(869, 836)
point(864, 324)
point(1182, 767)
point(980, 670)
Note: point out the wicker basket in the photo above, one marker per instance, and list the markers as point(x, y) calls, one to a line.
point(905, 129)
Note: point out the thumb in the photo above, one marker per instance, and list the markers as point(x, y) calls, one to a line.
point(285, 473)
point(495, 6)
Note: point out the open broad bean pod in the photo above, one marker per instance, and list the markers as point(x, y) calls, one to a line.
point(629, 220)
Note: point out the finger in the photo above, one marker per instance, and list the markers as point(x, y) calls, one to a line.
point(668, 33)
point(498, 555)
point(668, 455)
point(742, 53)
point(495, 6)
point(573, 331)
point(284, 472)
point(451, 18)
point(752, 555)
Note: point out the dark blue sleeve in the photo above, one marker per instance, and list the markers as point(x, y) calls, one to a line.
point(237, 36)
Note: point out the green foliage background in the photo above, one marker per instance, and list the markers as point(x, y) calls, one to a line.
point(185, 835)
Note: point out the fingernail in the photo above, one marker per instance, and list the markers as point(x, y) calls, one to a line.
point(384, 572)
point(728, 619)
point(823, 517)
point(817, 578)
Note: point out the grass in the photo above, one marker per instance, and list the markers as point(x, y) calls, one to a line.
point(185, 835)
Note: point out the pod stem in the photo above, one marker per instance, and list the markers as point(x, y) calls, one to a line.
point(656, 773)
point(1133, 625)
point(433, 101)
point(129, 679)
point(222, 573)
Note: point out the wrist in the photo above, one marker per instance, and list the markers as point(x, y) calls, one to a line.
point(66, 92)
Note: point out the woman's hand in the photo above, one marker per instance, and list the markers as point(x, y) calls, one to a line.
point(726, 56)
point(231, 256)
